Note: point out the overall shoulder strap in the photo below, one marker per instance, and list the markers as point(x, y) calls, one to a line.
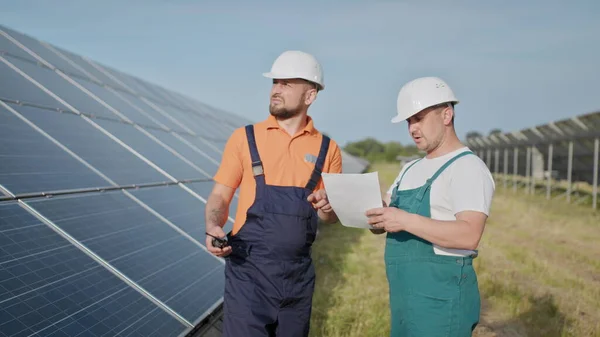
point(257, 167)
point(316, 173)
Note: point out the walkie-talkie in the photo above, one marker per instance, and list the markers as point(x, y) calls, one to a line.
point(218, 242)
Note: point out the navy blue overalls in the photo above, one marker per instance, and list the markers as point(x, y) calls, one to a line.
point(269, 276)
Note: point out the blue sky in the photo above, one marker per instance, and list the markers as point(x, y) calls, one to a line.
point(513, 64)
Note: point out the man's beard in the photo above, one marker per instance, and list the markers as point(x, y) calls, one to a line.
point(283, 113)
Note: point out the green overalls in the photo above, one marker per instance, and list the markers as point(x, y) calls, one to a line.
point(430, 295)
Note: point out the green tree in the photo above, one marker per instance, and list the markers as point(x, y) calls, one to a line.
point(473, 134)
point(365, 148)
point(375, 151)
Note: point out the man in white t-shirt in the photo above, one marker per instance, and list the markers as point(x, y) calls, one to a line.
point(438, 206)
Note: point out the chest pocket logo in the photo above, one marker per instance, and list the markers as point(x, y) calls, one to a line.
point(310, 158)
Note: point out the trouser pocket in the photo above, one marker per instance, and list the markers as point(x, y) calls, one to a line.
point(430, 315)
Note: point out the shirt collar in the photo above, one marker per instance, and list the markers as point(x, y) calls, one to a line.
point(309, 128)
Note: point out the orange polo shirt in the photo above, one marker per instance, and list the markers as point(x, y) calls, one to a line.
point(287, 161)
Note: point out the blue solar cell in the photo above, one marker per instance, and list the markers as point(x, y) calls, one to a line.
point(219, 144)
point(150, 149)
point(118, 104)
point(45, 53)
point(32, 163)
point(93, 146)
point(89, 69)
point(157, 117)
point(211, 121)
point(15, 87)
point(143, 247)
point(210, 147)
point(133, 84)
point(159, 93)
point(60, 87)
point(204, 189)
point(7, 46)
point(199, 126)
point(202, 157)
point(178, 206)
point(48, 287)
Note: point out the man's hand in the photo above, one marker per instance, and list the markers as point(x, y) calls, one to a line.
point(320, 201)
point(390, 219)
point(219, 233)
point(216, 213)
point(378, 231)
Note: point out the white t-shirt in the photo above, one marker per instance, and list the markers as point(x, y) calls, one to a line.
point(465, 185)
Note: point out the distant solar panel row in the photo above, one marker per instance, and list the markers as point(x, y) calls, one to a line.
point(565, 150)
point(103, 180)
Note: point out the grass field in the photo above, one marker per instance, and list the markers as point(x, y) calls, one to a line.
point(538, 270)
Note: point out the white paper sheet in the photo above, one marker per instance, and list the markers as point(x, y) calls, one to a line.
point(351, 195)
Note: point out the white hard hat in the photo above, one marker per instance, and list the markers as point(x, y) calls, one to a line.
point(297, 64)
point(422, 93)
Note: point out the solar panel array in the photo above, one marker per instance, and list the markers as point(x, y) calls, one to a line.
point(564, 150)
point(103, 181)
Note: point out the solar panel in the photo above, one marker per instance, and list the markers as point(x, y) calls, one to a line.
point(143, 247)
point(23, 149)
point(177, 206)
point(103, 183)
point(15, 87)
point(48, 287)
point(93, 146)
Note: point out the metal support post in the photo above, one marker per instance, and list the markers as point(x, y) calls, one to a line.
point(505, 167)
point(549, 178)
point(570, 172)
point(595, 187)
point(515, 169)
point(527, 170)
point(496, 160)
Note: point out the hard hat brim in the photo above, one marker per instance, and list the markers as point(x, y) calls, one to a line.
point(288, 77)
point(274, 75)
point(398, 119)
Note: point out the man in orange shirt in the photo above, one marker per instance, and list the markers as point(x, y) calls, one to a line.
point(277, 164)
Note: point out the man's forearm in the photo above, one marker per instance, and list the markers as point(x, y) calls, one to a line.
point(217, 211)
point(457, 234)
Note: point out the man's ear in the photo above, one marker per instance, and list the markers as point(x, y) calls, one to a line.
point(448, 114)
point(310, 96)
